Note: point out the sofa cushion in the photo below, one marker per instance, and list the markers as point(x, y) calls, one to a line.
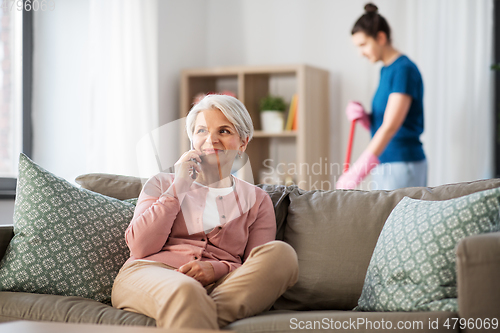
point(345, 321)
point(67, 241)
point(334, 234)
point(115, 186)
point(70, 309)
point(413, 267)
point(478, 269)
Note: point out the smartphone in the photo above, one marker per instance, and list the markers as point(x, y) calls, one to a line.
point(194, 175)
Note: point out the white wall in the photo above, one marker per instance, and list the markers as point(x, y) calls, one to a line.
point(263, 32)
point(199, 33)
point(182, 43)
point(283, 31)
point(260, 32)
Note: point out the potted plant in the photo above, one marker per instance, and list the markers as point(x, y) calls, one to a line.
point(272, 110)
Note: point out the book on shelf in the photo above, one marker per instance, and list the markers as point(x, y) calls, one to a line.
point(295, 119)
point(292, 114)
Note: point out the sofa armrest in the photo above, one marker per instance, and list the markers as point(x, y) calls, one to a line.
point(478, 272)
point(6, 234)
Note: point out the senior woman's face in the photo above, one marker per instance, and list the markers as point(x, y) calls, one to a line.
point(216, 137)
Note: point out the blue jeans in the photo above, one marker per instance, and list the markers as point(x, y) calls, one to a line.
point(390, 176)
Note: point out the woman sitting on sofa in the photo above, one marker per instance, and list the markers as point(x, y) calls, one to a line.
point(202, 242)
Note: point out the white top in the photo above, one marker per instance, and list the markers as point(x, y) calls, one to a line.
point(211, 218)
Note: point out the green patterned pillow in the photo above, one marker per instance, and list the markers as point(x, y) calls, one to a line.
point(67, 240)
point(413, 265)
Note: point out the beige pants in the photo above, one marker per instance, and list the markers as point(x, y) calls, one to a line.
point(179, 301)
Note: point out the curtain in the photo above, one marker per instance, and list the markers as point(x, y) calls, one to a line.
point(122, 92)
point(451, 43)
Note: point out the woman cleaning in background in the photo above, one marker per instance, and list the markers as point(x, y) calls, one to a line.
point(397, 117)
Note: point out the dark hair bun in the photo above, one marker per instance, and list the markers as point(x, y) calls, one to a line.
point(370, 8)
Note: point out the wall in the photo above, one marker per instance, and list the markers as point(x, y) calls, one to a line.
point(182, 43)
point(200, 33)
point(261, 32)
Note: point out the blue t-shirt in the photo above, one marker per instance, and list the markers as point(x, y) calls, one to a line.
point(402, 76)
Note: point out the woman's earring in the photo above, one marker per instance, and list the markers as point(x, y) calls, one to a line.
point(239, 155)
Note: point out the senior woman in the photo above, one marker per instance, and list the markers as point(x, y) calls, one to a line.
point(202, 242)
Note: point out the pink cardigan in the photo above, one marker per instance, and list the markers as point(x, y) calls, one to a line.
point(159, 232)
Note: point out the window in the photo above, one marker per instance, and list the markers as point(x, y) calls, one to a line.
point(15, 93)
point(496, 109)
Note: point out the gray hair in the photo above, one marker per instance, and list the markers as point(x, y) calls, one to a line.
point(231, 107)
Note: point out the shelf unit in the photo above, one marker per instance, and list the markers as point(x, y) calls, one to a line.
point(292, 152)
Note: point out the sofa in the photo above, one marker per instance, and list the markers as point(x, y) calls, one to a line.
point(334, 234)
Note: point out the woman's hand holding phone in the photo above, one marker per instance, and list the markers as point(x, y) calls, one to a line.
point(186, 170)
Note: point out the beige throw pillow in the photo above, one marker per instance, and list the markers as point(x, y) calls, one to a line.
point(116, 186)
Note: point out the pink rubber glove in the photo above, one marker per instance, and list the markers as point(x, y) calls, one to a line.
point(365, 163)
point(355, 111)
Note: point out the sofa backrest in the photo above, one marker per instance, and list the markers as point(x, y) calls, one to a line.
point(334, 234)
